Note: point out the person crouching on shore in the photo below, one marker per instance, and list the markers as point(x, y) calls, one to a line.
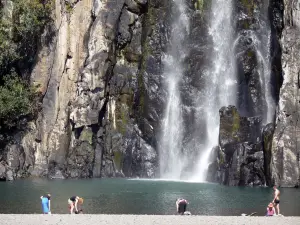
point(270, 210)
point(73, 203)
point(181, 205)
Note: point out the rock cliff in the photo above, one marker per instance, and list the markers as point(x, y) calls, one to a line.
point(274, 157)
point(285, 150)
point(100, 72)
point(242, 155)
point(91, 69)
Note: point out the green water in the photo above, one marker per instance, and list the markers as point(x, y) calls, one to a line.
point(121, 196)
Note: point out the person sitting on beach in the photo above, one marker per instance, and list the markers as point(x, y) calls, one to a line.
point(181, 205)
point(72, 202)
point(46, 204)
point(270, 210)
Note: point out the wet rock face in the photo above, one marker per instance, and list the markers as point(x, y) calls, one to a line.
point(276, 14)
point(252, 27)
point(2, 172)
point(197, 64)
point(244, 154)
point(236, 129)
point(243, 165)
point(240, 155)
point(131, 118)
point(267, 138)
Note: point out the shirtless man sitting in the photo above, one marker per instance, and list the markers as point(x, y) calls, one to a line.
point(276, 199)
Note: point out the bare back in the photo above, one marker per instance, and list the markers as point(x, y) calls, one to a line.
point(277, 194)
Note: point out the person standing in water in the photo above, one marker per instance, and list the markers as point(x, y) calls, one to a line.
point(276, 199)
point(181, 205)
point(46, 204)
point(73, 202)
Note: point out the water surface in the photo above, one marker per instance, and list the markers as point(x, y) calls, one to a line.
point(122, 196)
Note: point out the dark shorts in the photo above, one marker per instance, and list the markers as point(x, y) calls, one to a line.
point(276, 201)
point(181, 207)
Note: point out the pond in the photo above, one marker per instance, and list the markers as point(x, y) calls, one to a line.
point(138, 196)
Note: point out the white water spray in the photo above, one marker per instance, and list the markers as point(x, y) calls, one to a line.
point(171, 158)
point(220, 80)
point(220, 89)
point(263, 49)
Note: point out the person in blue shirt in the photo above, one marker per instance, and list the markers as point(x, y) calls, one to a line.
point(46, 203)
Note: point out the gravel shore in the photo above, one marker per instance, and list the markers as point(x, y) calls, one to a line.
point(34, 219)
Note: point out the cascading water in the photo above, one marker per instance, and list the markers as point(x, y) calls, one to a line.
point(263, 48)
point(171, 156)
point(219, 88)
point(220, 80)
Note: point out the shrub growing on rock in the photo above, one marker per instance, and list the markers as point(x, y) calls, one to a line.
point(21, 26)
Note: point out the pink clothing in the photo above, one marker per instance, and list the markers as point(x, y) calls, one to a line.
point(182, 201)
point(270, 212)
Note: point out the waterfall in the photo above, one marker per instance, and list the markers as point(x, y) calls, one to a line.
point(172, 159)
point(220, 81)
point(263, 49)
point(219, 87)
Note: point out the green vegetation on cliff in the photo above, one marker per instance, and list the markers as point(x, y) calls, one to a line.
point(201, 4)
point(118, 160)
point(21, 26)
point(16, 100)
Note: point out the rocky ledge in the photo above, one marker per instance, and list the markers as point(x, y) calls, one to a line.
point(243, 156)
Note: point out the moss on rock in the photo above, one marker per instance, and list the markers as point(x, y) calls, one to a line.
point(122, 115)
point(69, 7)
point(118, 160)
point(221, 158)
point(249, 6)
point(146, 52)
point(87, 136)
point(201, 5)
point(235, 122)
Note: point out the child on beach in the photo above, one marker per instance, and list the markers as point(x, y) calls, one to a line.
point(73, 202)
point(46, 204)
point(270, 210)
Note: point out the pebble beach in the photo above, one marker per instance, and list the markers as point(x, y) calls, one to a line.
point(58, 219)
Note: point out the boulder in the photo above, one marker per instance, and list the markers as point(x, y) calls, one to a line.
point(10, 175)
point(80, 160)
point(244, 167)
point(240, 156)
point(237, 129)
point(16, 161)
point(2, 171)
